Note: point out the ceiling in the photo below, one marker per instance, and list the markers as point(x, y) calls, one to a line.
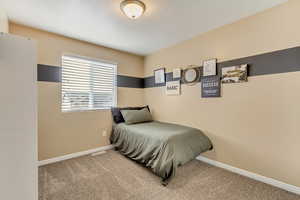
point(165, 23)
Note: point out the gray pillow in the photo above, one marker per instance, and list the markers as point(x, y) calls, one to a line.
point(136, 116)
point(117, 115)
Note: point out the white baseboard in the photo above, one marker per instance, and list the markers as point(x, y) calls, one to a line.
point(270, 181)
point(73, 155)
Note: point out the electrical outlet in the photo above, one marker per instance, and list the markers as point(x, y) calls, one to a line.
point(104, 133)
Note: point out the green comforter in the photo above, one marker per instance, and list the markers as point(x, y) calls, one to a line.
point(160, 146)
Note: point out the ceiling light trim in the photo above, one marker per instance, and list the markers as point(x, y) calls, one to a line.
point(131, 15)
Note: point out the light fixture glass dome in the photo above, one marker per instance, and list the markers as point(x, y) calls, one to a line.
point(133, 8)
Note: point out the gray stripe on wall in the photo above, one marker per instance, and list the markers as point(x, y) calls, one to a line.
point(281, 61)
point(53, 74)
point(130, 82)
point(49, 73)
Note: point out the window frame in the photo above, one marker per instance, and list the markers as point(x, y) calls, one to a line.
point(115, 86)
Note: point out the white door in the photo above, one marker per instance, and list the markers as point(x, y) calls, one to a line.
point(18, 118)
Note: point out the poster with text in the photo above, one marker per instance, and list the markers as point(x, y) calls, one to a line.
point(173, 88)
point(210, 86)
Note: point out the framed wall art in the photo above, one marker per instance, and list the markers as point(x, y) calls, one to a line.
point(235, 74)
point(173, 88)
point(176, 73)
point(159, 75)
point(210, 86)
point(210, 67)
point(191, 75)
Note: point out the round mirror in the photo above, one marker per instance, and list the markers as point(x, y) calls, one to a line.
point(191, 75)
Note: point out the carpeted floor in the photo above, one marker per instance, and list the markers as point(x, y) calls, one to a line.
point(113, 177)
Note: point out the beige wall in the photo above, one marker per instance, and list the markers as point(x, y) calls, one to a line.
point(255, 125)
point(3, 21)
point(64, 133)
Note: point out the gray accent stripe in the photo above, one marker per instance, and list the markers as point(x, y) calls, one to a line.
point(130, 82)
point(49, 73)
point(282, 61)
point(53, 74)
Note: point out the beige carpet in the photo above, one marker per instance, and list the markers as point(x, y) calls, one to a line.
point(113, 177)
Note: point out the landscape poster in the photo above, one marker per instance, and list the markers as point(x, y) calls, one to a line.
point(235, 74)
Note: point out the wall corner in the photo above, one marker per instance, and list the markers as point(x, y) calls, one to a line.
point(3, 21)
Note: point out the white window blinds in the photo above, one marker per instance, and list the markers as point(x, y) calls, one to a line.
point(87, 84)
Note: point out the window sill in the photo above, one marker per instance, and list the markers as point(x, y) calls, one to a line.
point(87, 110)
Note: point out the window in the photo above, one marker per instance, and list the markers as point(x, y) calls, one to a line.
point(87, 84)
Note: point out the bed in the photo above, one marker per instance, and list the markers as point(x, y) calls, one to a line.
point(162, 147)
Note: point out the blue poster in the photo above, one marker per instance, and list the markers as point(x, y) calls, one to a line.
point(210, 86)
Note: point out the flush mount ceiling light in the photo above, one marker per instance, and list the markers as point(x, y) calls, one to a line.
point(133, 8)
